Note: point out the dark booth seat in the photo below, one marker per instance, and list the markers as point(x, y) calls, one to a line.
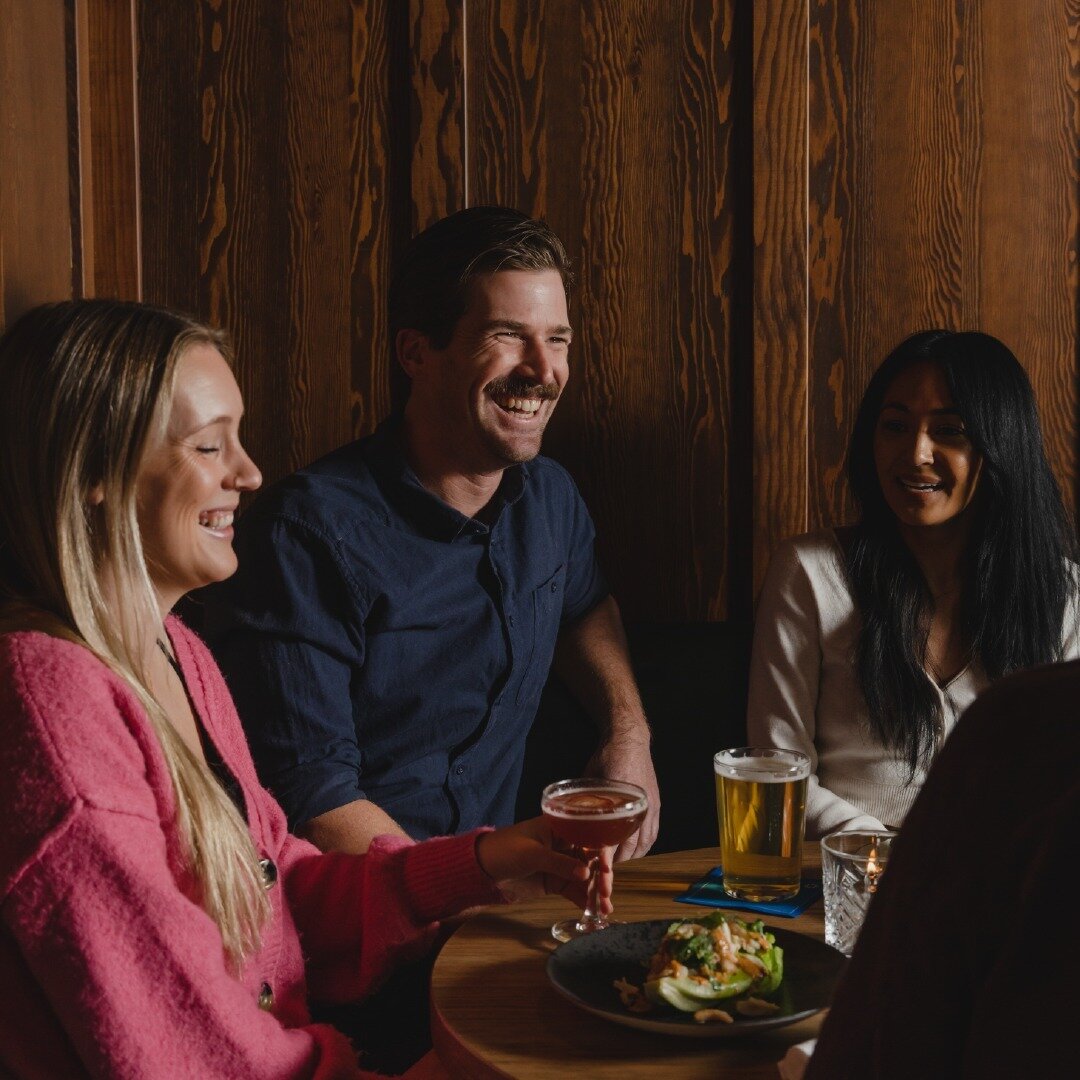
point(692, 678)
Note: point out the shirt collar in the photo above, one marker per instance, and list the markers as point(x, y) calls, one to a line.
point(426, 511)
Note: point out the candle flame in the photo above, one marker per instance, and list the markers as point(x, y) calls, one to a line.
point(873, 871)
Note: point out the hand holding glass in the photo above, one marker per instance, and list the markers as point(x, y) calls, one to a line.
point(586, 816)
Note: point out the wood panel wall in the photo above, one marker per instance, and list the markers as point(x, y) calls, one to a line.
point(944, 147)
point(761, 197)
point(613, 122)
point(36, 159)
point(276, 191)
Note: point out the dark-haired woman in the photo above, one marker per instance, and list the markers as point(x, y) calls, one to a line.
point(871, 640)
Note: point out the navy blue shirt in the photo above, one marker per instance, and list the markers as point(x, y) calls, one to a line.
point(380, 645)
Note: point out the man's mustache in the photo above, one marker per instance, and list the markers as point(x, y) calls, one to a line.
point(515, 386)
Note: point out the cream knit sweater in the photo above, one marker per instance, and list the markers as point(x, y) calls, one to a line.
point(804, 693)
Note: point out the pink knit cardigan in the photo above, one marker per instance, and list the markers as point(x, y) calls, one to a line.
point(107, 965)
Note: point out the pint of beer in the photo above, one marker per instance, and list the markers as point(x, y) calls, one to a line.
point(761, 808)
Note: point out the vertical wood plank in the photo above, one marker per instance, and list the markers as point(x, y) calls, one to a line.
point(276, 193)
point(242, 210)
point(507, 107)
point(319, 207)
point(35, 208)
point(780, 463)
point(382, 204)
point(705, 189)
point(437, 120)
point(170, 114)
point(109, 142)
point(1029, 211)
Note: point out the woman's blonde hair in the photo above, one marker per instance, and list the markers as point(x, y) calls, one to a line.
point(84, 387)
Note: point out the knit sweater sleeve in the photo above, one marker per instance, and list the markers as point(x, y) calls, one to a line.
point(358, 916)
point(125, 972)
point(785, 674)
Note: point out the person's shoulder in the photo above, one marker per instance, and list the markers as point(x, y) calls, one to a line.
point(814, 552)
point(1040, 697)
point(43, 665)
point(545, 470)
point(335, 491)
point(551, 483)
point(73, 730)
point(342, 472)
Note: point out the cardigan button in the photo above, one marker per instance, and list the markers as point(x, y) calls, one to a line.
point(269, 872)
point(266, 997)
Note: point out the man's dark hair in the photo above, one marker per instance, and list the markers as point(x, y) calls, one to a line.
point(1019, 565)
point(429, 288)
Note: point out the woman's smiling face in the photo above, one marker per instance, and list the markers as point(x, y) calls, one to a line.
point(926, 464)
point(189, 482)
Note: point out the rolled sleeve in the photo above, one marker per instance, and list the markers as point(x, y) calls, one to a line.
point(288, 633)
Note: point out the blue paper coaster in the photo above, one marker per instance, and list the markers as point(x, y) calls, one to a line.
point(709, 891)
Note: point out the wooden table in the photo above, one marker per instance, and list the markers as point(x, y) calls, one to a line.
point(494, 1013)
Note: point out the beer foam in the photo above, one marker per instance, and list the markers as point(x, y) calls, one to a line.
point(762, 770)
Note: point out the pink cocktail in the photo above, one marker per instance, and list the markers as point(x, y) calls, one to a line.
point(588, 815)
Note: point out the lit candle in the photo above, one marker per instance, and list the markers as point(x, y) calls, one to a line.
point(873, 871)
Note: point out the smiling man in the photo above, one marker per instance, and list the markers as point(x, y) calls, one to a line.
point(399, 603)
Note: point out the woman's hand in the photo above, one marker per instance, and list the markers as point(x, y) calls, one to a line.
point(522, 859)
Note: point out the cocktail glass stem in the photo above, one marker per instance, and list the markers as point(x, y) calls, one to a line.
point(591, 919)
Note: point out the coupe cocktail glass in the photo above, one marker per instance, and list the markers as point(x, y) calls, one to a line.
point(586, 816)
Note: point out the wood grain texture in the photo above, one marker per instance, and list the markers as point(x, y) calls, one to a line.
point(780, 458)
point(380, 152)
point(495, 1014)
point(743, 261)
point(109, 139)
point(242, 209)
point(943, 192)
point(437, 64)
point(35, 200)
point(1029, 208)
point(276, 195)
point(611, 121)
point(170, 138)
point(318, 109)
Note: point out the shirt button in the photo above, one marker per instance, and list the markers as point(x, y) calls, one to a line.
point(554, 586)
point(269, 872)
point(266, 997)
point(460, 770)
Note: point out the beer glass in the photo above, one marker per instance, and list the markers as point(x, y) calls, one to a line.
point(761, 809)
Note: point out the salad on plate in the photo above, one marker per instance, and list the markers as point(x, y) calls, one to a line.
point(703, 962)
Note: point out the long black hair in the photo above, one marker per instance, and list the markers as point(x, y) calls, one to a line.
point(1018, 571)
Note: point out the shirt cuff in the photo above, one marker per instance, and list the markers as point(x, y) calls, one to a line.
point(443, 876)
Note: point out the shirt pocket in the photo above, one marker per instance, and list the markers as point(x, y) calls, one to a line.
point(547, 606)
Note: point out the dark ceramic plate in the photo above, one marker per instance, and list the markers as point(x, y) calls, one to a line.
point(583, 971)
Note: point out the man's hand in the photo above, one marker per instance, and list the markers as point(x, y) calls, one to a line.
point(523, 861)
point(627, 757)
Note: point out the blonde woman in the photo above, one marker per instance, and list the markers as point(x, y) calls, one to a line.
point(158, 919)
